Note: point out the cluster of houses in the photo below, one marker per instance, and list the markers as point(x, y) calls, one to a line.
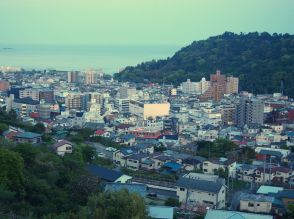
point(158, 128)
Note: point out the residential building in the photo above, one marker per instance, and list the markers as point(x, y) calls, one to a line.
point(232, 85)
point(63, 147)
point(201, 191)
point(108, 175)
point(72, 76)
point(23, 107)
point(149, 110)
point(256, 203)
point(90, 77)
point(28, 137)
point(249, 111)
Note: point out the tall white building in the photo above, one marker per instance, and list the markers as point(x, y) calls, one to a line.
point(195, 87)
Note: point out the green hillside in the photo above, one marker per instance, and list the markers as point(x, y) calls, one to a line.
point(260, 60)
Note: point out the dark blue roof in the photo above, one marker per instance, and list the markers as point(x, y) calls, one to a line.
point(104, 173)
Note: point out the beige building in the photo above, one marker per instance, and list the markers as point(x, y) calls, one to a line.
point(90, 77)
point(232, 86)
point(73, 101)
point(256, 203)
point(149, 110)
point(72, 76)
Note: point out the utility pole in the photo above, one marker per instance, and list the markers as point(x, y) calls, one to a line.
point(270, 175)
point(264, 159)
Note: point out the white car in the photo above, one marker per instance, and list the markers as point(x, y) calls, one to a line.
point(101, 155)
point(111, 149)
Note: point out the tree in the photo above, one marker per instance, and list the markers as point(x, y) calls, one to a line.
point(3, 128)
point(89, 153)
point(38, 128)
point(82, 187)
point(119, 205)
point(11, 170)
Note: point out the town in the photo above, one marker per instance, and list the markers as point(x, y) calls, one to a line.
point(197, 150)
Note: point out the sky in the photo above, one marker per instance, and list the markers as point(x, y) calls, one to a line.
point(138, 22)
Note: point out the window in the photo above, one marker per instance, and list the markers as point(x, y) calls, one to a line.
point(182, 189)
point(250, 204)
point(258, 204)
point(205, 170)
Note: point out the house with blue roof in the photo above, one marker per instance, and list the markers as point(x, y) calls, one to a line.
point(108, 175)
point(129, 139)
point(28, 137)
point(172, 167)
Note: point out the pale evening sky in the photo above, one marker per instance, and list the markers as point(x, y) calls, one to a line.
point(144, 22)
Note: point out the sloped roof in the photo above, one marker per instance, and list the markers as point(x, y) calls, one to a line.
point(104, 173)
point(202, 185)
point(61, 143)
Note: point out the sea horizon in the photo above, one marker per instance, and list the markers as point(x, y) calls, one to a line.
point(110, 58)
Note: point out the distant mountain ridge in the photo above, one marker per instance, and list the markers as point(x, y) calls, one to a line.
point(260, 60)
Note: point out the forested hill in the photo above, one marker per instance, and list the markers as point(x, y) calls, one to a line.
point(260, 60)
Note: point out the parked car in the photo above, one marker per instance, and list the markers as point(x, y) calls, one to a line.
point(101, 155)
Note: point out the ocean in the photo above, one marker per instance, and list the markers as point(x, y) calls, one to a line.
point(110, 58)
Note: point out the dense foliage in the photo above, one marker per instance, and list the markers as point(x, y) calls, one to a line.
point(269, 59)
point(37, 183)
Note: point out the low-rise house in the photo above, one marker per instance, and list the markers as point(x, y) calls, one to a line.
point(246, 173)
point(28, 137)
point(63, 147)
point(129, 139)
point(159, 160)
point(211, 192)
point(212, 165)
point(282, 174)
point(172, 167)
point(108, 175)
point(256, 203)
point(134, 161)
point(120, 156)
point(169, 139)
point(193, 163)
point(102, 133)
point(286, 196)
